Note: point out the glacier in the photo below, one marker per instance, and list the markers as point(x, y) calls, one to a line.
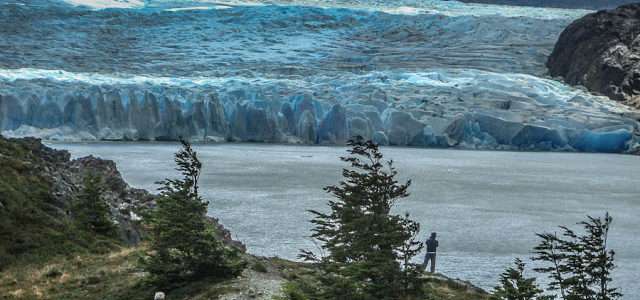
point(409, 73)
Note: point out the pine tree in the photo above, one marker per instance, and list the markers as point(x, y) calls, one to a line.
point(580, 265)
point(598, 261)
point(514, 286)
point(549, 250)
point(410, 248)
point(368, 248)
point(184, 245)
point(90, 209)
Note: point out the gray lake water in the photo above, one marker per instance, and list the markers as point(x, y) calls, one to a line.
point(485, 205)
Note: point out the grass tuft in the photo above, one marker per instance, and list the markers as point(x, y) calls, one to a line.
point(259, 267)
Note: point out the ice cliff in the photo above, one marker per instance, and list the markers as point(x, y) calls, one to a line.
point(436, 76)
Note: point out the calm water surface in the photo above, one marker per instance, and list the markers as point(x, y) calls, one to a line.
point(485, 205)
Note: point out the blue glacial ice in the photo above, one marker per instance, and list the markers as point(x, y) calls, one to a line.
point(417, 73)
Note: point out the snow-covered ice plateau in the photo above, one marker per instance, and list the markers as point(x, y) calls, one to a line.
point(418, 73)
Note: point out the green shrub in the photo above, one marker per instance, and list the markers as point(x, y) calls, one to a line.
point(90, 209)
point(184, 244)
point(299, 289)
point(513, 285)
point(259, 267)
point(53, 273)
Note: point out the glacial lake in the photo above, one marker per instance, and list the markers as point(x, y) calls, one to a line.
point(485, 205)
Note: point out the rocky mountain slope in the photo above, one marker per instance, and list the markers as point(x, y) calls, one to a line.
point(587, 4)
point(64, 178)
point(601, 51)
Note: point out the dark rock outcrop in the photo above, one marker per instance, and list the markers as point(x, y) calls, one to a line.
point(225, 235)
point(601, 51)
point(586, 4)
point(66, 177)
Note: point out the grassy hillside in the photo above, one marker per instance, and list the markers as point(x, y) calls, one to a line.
point(116, 275)
point(32, 227)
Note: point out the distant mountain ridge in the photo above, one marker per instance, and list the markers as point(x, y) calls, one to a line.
point(585, 4)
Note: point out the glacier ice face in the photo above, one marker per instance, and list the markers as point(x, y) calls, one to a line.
point(441, 108)
point(441, 74)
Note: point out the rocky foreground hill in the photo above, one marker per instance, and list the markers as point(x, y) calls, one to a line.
point(65, 177)
point(44, 255)
point(601, 51)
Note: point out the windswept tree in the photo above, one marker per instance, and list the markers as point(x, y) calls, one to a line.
point(368, 249)
point(184, 244)
point(579, 265)
point(90, 209)
point(514, 286)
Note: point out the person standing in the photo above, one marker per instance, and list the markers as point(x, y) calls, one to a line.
point(432, 246)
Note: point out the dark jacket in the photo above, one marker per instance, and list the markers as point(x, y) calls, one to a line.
point(431, 244)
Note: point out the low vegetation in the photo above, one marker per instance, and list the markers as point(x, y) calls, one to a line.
point(33, 229)
point(116, 275)
point(514, 285)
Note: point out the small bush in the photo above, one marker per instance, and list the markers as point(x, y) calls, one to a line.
point(93, 280)
point(53, 273)
point(90, 209)
point(292, 275)
point(299, 289)
point(513, 285)
point(259, 267)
